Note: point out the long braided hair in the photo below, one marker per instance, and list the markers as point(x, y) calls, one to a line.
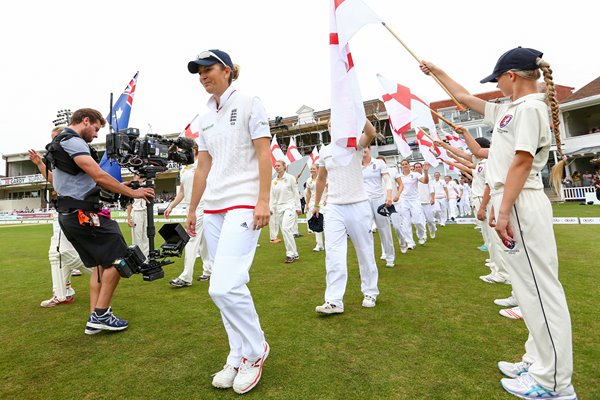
point(544, 66)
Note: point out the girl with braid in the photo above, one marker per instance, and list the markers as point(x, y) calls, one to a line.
point(522, 217)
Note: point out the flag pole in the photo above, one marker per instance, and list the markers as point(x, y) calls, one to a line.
point(440, 116)
point(460, 106)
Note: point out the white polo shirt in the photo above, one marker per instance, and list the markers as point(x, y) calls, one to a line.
point(522, 125)
point(410, 181)
point(425, 190)
point(372, 174)
point(226, 133)
point(452, 189)
point(284, 193)
point(438, 188)
point(478, 185)
point(344, 182)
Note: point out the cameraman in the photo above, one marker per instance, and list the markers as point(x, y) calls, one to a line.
point(97, 238)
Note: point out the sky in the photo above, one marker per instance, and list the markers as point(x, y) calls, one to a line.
point(72, 54)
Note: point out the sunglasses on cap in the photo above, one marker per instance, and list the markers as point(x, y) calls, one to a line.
point(208, 54)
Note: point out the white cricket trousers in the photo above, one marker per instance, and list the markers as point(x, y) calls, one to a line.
point(533, 269)
point(429, 217)
point(273, 224)
point(441, 210)
point(196, 247)
point(452, 208)
point(139, 232)
point(411, 213)
point(232, 244)
point(483, 225)
point(384, 227)
point(354, 220)
point(286, 220)
point(63, 259)
point(464, 206)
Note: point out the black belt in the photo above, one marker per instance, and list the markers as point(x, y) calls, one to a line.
point(67, 204)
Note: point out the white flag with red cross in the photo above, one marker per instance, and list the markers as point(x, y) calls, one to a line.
point(397, 105)
point(314, 157)
point(428, 150)
point(276, 152)
point(292, 153)
point(192, 130)
point(347, 111)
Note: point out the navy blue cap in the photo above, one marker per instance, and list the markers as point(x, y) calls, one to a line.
point(210, 57)
point(520, 58)
point(386, 211)
point(315, 223)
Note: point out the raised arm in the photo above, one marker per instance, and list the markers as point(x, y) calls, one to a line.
point(461, 94)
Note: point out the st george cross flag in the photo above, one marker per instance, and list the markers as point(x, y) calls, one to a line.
point(314, 157)
point(351, 16)
point(276, 152)
point(292, 151)
point(454, 140)
point(397, 105)
point(192, 130)
point(347, 111)
point(122, 108)
point(426, 148)
point(120, 120)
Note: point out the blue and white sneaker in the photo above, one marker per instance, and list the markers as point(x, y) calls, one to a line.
point(512, 370)
point(106, 321)
point(525, 387)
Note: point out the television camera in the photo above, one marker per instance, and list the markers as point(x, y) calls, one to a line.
point(147, 157)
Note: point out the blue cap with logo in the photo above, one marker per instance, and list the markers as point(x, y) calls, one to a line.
point(209, 57)
point(520, 58)
point(386, 211)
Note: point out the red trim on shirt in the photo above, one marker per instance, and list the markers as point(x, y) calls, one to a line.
point(223, 210)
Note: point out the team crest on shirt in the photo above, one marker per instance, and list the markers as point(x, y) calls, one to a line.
point(233, 116)
point(506, 120)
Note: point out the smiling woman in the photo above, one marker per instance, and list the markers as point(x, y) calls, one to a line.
point(235, 189)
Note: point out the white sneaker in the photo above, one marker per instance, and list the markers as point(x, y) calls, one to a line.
point(432, 235)
point(383, 256)
point(389, 264)
point(368, 301)
point(421, 242)
point(508, 302)
point(328, 308)
point(488, 260)
point(318, 248)
point(489, 264)
point(403, 249)
point(412, 247)
point(525, 387)
point(250, 372)
point(512, 313)
point(512, 370)
point(492, 278)
point(224, 378)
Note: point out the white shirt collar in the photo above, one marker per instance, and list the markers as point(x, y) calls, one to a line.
point(532, 96)
point(212, 102)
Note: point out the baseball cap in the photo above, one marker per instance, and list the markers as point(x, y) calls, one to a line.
point(386, 211)
point(520, 58)
point(210, 57)
point(315, 223)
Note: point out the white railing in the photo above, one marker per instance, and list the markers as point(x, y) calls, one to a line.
point(577, 193)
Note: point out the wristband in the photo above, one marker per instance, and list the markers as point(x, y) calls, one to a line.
point(317, 206)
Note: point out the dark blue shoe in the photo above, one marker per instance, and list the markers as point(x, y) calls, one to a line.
point(107, 322)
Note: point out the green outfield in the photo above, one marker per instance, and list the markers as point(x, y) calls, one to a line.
point(435, 333)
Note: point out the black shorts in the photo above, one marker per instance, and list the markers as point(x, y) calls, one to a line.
point(96, 245)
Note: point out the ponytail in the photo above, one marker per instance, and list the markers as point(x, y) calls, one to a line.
point(557, 171)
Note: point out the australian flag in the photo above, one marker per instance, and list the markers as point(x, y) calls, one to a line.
point(119, 120)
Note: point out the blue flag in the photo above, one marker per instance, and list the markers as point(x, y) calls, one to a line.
point(119, 120)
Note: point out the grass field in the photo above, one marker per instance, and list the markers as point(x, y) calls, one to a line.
point(435, 333)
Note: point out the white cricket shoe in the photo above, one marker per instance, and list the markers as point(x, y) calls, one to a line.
point(508, 302)
point(421, 242)
point(512, 370)
point(389, 264)
point(492, 278)
point(432, 235)
point(328, 308)
point(250, 372)
point(318, 248)
point(525, 387)
point(224, 378)
point(512, 313)
point(403, 249)
point(368, 301)
point(383, 256)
